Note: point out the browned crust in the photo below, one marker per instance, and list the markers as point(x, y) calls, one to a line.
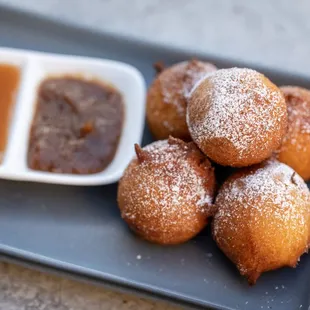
point(295, 150)
point(249, 248)
point(166, 102)
point(184, 220)
point(221, 150)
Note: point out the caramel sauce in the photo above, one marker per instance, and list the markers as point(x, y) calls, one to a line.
point(9, 81)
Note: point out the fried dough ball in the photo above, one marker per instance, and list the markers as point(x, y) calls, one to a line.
point(166, 99)
point(237, 117)
point(263, 218)
point(295, 149)
point(166, 193)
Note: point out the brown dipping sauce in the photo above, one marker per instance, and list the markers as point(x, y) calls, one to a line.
point(9, 82)
point(76, 127)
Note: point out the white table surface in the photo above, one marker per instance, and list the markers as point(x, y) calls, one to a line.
point(273, 33)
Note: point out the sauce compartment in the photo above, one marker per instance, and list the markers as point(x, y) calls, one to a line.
point(76, 127)
point(44, 68)
point(9, 81)
point(11, 69)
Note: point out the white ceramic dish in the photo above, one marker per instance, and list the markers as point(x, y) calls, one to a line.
point(34, 68)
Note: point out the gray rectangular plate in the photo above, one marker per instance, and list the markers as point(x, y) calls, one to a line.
point(79, 231)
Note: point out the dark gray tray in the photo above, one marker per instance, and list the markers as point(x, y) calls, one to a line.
point(78, 230)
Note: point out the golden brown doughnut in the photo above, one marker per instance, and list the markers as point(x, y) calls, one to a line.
point(295, 149)
point(166, 193)
point(166, 99)
point(237, 117)
point(263, 218)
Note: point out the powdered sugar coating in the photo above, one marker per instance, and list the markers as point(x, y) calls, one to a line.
point(185, 75)
point(167, 195)
point(263, 216)
point(239, 108)
point(274, 184)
